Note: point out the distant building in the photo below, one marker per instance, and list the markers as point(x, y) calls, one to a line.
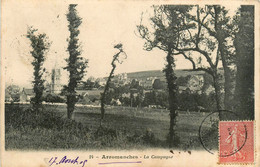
point(117, 80)
point(194, 80)
point(122, 76)
point(55, 86)
point(195, 83)
point(89, 96)
point(26, 95)
point(147, 84)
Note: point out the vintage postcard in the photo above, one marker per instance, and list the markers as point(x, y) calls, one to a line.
point(129, 83)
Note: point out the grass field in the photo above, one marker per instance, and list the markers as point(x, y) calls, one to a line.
point(127, 128)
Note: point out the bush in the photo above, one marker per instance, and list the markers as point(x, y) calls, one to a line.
point(144, 138)
point(107, 132)
point(52, 98)
point(135, 138)
point(149, 137)
point(196, 102)
point(18, 117)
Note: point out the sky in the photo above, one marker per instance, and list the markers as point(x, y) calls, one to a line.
point(103, 26)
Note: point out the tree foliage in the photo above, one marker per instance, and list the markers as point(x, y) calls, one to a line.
point(202, 33)
point(210, 39)
point(76, 64)
point(40, 45)
point(14, 92)
point(158, 84)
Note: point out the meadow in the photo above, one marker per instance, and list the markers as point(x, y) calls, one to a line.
point(123, 128)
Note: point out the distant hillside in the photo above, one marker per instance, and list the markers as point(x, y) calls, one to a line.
point(145, 74)
point(160, 74)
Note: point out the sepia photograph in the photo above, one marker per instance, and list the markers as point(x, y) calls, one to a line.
point(129, 76)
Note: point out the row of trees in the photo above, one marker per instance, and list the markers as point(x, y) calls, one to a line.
point(186, 100)
point(90, 84)
point(205, 33)
point(76, 64)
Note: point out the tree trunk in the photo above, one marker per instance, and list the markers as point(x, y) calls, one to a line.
point(228, 88)
point(70, 106)
point(102, 108)
point(244, 44)
point(220, 36)
point(103, 97)
point(172, 88)
point(219, 102)
point(227, 72)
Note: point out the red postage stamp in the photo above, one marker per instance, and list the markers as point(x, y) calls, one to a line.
point(236, 141)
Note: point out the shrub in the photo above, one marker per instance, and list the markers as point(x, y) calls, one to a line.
point(52, 98)
point(18, 117)
point(149, 137)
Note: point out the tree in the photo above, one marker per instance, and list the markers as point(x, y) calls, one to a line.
point(210, 39)
point(244, 44)
point(13, 89)
point(134, 84)
point(158, 84)
point(40, 45)
point(183, 81)
point(149, 98)
point(222, 33)
point(167, 24)
point(221, 30)
point(14, 92)
point(116, 58)
point(89, 84)
point(96, 84)
point(76, 64)
point(193, 42)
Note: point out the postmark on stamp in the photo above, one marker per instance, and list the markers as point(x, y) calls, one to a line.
point(236, 141)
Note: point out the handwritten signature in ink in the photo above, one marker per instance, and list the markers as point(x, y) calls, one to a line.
point(65, 160)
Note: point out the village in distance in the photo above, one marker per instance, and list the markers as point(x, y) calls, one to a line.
point(133, 89)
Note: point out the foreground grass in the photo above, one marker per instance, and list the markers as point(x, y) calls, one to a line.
point(47, 130)
point(125, 128)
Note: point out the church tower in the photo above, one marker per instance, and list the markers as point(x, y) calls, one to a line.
point(56, 80)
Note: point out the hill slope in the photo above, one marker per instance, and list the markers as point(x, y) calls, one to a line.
point(160, 74)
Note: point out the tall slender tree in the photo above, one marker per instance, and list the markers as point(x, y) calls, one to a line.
point(116, 59)
point(167, 24)
point(40, 45)
point(76, 64)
